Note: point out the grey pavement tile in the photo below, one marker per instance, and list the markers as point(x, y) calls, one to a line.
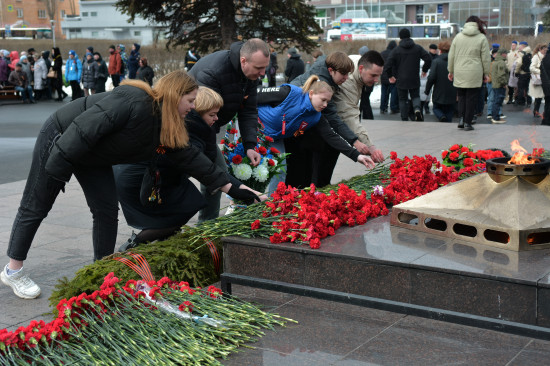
point(323, 335)
point(263, 357)
point(537, 352)
point(425, 342)
point(19, 312)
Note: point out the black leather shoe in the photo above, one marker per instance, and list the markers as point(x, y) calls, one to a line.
point(461, 123)
point(468, 127)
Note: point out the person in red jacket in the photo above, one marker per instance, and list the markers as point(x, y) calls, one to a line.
point(115, 62)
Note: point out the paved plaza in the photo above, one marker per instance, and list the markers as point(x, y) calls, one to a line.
point(328, 333)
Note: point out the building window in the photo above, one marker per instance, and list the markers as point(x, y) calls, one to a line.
point(137, 33)
point(19, 13)
point(93, 14)
point(63, 14)
point(41, 14)
point(95, 34)
point(84, 14)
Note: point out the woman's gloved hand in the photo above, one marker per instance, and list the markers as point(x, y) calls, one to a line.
point(245, 195)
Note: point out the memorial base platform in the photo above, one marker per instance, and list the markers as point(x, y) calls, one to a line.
point(400, 270)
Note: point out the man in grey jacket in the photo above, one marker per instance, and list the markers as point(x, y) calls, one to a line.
point(367, 73)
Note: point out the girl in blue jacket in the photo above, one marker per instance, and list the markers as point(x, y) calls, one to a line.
point(73, 74)
point(287, 113)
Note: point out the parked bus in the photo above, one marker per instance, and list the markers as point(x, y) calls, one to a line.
point(434, 31)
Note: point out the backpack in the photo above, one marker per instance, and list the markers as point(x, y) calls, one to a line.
point(526, 63)
point(122, 67)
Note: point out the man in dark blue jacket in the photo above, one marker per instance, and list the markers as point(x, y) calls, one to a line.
point(234, 74)
point(403, 68)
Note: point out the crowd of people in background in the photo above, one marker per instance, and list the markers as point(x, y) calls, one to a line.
point(42, 76)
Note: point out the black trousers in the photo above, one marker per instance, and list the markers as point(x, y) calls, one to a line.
point(523, 89)
point(468, 98)
point(311, 160)
point(41, 191)
point(365, 107)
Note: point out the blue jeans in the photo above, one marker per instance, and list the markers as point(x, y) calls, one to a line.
point(404, 101)
point(444, 110)
point(281, 177)
point(212, 209)
point(389, 92)
point(41, 191)
point(25, 92)
point(498, 98)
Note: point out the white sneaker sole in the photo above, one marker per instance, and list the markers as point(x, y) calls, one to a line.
point(6, 282)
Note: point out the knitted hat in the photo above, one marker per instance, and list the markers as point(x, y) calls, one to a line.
point(524, 43)
point(22, 58)
point(90, 49)
point(404, 33)
point(19, 64)
point(72, 52)
point(363, 50)
point(112, 46)
point(292, 51)
point(88, 54)
point(433, 46)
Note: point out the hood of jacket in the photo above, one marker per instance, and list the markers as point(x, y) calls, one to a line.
point(406, 43)
point(470, 29)
point(391, 45)
point(14, 55)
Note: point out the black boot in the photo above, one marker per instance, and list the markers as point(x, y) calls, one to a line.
point(460, 123)
point(131, 243)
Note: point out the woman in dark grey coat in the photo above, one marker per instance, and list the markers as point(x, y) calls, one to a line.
point(86, 138)
point(89, 74)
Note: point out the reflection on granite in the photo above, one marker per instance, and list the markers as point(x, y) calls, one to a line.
point(476, 296)
point(415, 341)
point(543, 305)
point(358, 277)
point(275, 264)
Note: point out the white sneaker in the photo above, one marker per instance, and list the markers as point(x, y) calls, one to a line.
point(20, 283)
point(501, 121)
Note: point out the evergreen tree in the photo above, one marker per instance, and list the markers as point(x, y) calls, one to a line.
point(215, 24)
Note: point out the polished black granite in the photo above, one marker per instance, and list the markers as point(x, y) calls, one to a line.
point(391, 263)
point(333, 333)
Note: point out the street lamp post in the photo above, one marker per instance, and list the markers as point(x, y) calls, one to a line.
point(52, 22)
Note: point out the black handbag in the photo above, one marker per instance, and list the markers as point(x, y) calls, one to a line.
point(149, 194)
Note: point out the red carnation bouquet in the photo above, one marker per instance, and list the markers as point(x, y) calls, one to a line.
point(461, 157)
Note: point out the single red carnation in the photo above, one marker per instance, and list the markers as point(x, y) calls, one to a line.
point(270, 162)
point(455, 147)
point(237, 159)
point(275, 151)
point(464, 149)
point(468, 162)
point(444, 154)
point(255, 225)
point(454, 156)
point(268, 139)
point(262, 150)
point(393, 155)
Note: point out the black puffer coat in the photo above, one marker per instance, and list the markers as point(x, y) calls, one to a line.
point(115, 128)
point(384, 79)
point(221, 71)
point(320, 69)
point(404, 64)
point(444, 91)
point(294, 67)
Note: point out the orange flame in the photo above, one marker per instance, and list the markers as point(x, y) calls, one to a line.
point(521, 156)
